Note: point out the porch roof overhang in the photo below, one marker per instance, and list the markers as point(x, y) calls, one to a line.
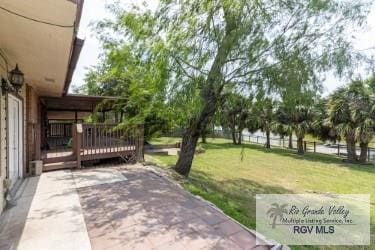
point(40, 36)
point(83, 103)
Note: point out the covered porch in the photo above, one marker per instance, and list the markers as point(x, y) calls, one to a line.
point(79, 128)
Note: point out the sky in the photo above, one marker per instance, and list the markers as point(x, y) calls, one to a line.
point(94, 10)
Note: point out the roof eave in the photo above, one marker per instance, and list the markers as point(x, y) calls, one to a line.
point(77, 45)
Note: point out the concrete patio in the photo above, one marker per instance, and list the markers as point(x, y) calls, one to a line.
point(126, 207)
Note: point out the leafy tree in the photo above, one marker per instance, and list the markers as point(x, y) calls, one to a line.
point(297, 98)
point(200, 49)
point(124, 71)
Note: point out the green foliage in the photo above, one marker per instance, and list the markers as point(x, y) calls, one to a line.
point(321, 128)
point(264, 113)
point(180, 62)
point(351, 110)
point(234, 115)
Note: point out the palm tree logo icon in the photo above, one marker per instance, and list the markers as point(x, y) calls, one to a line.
point(277, 211)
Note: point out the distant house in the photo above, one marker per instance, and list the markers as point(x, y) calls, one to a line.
point(40, 122)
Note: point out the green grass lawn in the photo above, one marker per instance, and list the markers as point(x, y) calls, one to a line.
point(230, 176)
point(172, 140)
point(164, 140)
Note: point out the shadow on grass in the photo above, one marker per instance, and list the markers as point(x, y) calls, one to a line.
point(236, 197)
point(312, 157)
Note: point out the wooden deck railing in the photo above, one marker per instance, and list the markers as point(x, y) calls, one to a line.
point(59, 130)
point(99, 141)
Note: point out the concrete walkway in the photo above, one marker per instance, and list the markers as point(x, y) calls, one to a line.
point(48, 213)
point(128, 207)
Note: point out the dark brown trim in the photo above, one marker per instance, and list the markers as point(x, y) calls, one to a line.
point(79, 14)
point(75, 49)
point(79, 103)
point(70, 110)
point(63, 119)
point(95, 97)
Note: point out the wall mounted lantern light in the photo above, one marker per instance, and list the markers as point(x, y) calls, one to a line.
point(14, 82)
point(16, 78)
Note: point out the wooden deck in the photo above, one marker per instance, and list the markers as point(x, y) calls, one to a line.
point(91, 152)
point(107, 152)
point(98, 141)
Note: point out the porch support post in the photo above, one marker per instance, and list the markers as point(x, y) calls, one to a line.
point(77, 142)
point(103, 112)
point(140, 142)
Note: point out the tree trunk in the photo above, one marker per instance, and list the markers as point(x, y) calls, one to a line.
point(239, 142)
point(234, 139)
point(351, 147)
point(191, 136)
point(211, 94)
point(268, 141)
point(300, 149)
point(290, 141)
point(189, 142)
point(364, 152)
point(204, 137)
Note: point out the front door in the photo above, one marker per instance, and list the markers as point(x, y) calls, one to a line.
point(15, 139)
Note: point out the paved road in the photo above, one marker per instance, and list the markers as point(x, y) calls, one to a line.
point(320, 148)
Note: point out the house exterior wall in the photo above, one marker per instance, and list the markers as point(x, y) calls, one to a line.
point(2, 144)
point(67, 115)
point(3, 138)
point(32, 126)
point(22, 93)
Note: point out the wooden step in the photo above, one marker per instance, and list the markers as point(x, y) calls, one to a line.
point(59, 165)
point(68, 157)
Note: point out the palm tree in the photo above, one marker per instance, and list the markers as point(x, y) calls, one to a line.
point(233, 115)
point(362, 107)
point(351, 110)
point(320, 128)
point(297, 119)
point(340, 117)
point(277, 211)
point(264, 113)
point(301, 121)
point(282, 124)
